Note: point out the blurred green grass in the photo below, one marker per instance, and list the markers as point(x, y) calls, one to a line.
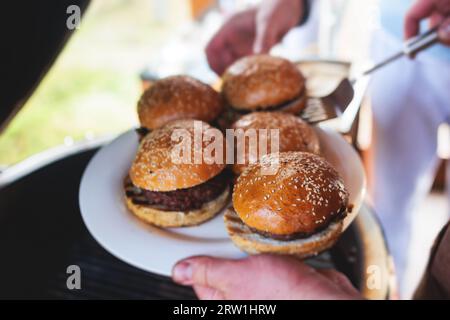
point(70, 103)
point(93, 86)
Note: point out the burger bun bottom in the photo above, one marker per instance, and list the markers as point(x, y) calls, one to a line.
point(253, 243)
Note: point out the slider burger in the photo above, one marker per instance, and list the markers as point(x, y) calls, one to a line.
point(170, 193)
point(294, 135)
point(264, 83)
point(297, 211)
point(174, 98)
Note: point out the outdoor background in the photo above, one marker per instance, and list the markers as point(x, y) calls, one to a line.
point(93, 87)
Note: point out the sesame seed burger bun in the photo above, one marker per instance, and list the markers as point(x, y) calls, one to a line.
point(294, 133)
point(261, 82)
point(298, 210)
point(154, 169)
point(178, 97)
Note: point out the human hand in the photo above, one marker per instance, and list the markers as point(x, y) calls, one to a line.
point(261, 277)
point(273, 20)
point(233, 40)
point(252, 31)
point(437, 11)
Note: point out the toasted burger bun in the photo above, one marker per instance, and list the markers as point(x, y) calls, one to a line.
point(253, 243)
point(305, 200)
point(178, 97)
point(303, 197)
point(294, 133)
point(172, 219)
point(262, 82)
point(154, 169)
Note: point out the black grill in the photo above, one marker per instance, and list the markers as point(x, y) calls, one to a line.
point(41, 234)
point(105, 277)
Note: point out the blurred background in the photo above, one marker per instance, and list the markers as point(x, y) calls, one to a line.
point(92, 89)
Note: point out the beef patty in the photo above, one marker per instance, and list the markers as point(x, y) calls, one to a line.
point(181, 199)
point(279, 107)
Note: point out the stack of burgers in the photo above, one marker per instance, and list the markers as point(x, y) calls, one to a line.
point(297, 209)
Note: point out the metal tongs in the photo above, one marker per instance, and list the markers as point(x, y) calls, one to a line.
point(344, 101)
point(411, 48)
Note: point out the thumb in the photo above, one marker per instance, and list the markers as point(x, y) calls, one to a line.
point(340, 280)
point(203, 271)
point(207, 293)
point(444, 32)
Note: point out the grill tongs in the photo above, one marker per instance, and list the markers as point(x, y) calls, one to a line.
point(335, 104)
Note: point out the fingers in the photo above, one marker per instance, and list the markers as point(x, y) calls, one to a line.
point(340, 280)
point(444, 32)
point(419, 11)
point(261, 277)
point(208, 293)
point(435, 19)
point(211, 55)
point(270, 25)
point(232, 41)
point(265, 37)
point(218, 55)
point(204, 271)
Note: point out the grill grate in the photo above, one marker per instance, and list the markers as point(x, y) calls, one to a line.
point(105, 277)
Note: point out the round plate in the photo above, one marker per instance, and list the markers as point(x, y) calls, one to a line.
point(157, 250)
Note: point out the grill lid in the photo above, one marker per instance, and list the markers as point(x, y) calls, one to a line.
point(35, 38)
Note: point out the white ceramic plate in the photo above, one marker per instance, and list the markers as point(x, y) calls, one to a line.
point(156, 250)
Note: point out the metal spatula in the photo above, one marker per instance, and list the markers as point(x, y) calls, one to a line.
point(334, 105)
